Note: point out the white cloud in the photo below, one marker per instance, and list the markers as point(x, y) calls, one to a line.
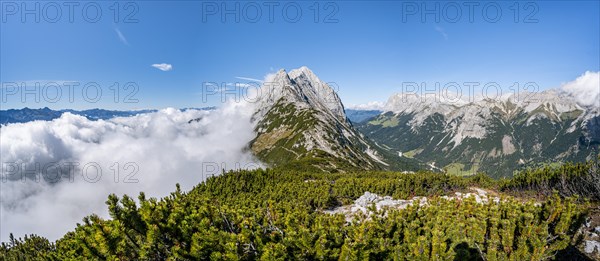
point(244, 85)
point(165, 146)
point(374, 105)
point(442, 32)
point(586, 88)
point(121, 36)
point(248, 79)
point(165, 67)
point(269, 77)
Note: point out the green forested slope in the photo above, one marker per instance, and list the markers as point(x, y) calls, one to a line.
point(278, 215)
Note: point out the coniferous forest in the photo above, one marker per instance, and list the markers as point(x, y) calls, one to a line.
point(280, 214)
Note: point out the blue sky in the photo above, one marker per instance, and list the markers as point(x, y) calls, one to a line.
point(366, 48)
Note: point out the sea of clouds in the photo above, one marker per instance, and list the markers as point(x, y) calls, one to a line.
point(148, 152)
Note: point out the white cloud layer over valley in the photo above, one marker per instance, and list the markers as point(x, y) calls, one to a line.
point(160, 149)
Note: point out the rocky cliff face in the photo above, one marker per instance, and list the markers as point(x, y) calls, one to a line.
point(300, 121)
point(497, 136)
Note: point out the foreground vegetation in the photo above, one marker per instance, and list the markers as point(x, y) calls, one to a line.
point(278, 214)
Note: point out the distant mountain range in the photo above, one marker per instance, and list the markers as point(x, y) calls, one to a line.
point(46, 114)
point(494, 136)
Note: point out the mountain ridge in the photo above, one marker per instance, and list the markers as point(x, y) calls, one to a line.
point(300, 118)
point(497, 136)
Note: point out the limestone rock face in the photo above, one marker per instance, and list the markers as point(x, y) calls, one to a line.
point(496, 135)
point(301, 120)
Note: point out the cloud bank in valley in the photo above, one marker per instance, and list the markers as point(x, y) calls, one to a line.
point(166, 147)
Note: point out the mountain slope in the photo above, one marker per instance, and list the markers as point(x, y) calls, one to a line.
point(300, 121)
point(495, 136)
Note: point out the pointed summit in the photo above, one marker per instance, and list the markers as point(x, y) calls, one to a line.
point(281, 75)
point(306, 72)
point(302, 87)
point(300, 121)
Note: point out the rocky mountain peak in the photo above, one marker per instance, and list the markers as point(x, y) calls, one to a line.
point(496, 134)
point(550, 103)
point(409, 103)
point(302, 88)
point(300, 121)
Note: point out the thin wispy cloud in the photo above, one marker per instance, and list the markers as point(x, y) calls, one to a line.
point(229, 87)
point(243, 85)
point(121, 36)
point(165, 67)
point(442, 32)
point(248, 79)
